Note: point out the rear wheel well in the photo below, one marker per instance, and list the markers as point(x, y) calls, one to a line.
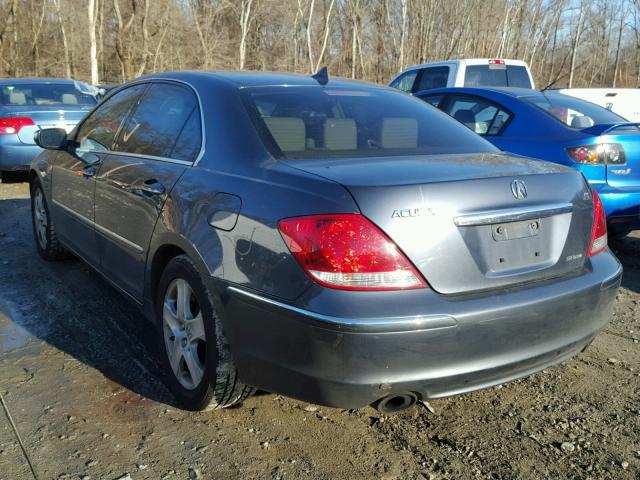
point(161, 259)
point(32, 176)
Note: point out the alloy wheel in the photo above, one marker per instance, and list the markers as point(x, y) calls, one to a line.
point(184, 334)
point(40, 217)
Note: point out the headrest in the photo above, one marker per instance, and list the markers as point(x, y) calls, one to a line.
point(69, 99)
point(581, 121)
point(340, 134)
point(466, 117)
point(288, 132)
point(399, 132)
point(17, 98)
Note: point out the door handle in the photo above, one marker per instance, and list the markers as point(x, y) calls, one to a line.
point(151, 187)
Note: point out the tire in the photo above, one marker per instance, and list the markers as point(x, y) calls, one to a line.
point(195, 356)
point(44, 231)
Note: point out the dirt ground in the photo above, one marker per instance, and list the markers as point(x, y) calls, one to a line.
point(79, 379)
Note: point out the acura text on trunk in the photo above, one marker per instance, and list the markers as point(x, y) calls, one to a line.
point(338, 242)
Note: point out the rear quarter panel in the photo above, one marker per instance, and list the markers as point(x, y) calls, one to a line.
point(252, 254)
point(236, 165)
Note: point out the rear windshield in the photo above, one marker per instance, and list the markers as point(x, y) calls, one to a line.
point(44, 94)
point(573, 112)
point(496, 76)
point(326, 122)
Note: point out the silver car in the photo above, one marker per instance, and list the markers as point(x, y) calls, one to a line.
point(30, 104)
point(339, 242)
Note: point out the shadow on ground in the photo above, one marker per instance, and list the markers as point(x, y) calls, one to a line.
point(628, 252)
point(73, 309)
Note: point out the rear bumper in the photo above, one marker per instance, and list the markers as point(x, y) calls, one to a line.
point(349, 349)
point(17, 156)
point(622, 207)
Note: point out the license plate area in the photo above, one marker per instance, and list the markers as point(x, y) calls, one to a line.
point(516, 230)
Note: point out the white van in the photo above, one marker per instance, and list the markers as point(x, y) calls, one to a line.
point(623, 101)
point(474, 72)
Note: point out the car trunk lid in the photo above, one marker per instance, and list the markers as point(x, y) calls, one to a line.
point(458, 220)
point(57, 116)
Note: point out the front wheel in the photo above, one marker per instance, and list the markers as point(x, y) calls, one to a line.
point(44, 231)
point(195, 354)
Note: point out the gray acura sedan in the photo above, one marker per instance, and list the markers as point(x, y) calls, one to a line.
point(338, 242)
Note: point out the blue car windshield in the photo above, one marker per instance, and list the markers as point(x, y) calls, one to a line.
point(44, 94)
point(300, 122)
point(573, 112)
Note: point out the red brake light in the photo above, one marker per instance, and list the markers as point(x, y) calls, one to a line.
point(347, 251)
point(496, 62)
point(598, 240)
point(12, 125)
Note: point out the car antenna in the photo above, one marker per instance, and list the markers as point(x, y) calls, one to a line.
point(321, 76)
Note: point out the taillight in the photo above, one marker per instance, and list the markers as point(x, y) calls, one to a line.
point(598, 240)
point(599, 154)
point(12, 125)
point(347, 251)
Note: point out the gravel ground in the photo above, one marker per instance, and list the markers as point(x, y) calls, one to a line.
point(78, 376)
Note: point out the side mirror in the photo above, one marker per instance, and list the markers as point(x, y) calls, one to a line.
point(51, 138)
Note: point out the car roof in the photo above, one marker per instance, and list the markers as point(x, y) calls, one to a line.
point(243, 79)
point(31, 80)
point(466, 61)
point(509, 91)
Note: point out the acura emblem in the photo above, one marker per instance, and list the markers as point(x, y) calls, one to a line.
point(519, 189)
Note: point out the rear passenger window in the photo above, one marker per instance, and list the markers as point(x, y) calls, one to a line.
point(190, 140)
point(97, 133)
point(432, 77)
point(482, 116)
point(160, 127)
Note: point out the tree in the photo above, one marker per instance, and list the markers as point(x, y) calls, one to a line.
point(93, 48)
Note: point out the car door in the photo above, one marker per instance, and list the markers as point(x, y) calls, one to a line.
point(74, 172)
point(160, 139)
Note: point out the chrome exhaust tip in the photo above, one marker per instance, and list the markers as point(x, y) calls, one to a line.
point(395, 403)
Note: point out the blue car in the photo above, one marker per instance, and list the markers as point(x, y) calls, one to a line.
point(554, 127)
point(31, 104)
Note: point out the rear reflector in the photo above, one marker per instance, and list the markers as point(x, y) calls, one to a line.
point(12, 125)
point(348, 252)
point(598, 240)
